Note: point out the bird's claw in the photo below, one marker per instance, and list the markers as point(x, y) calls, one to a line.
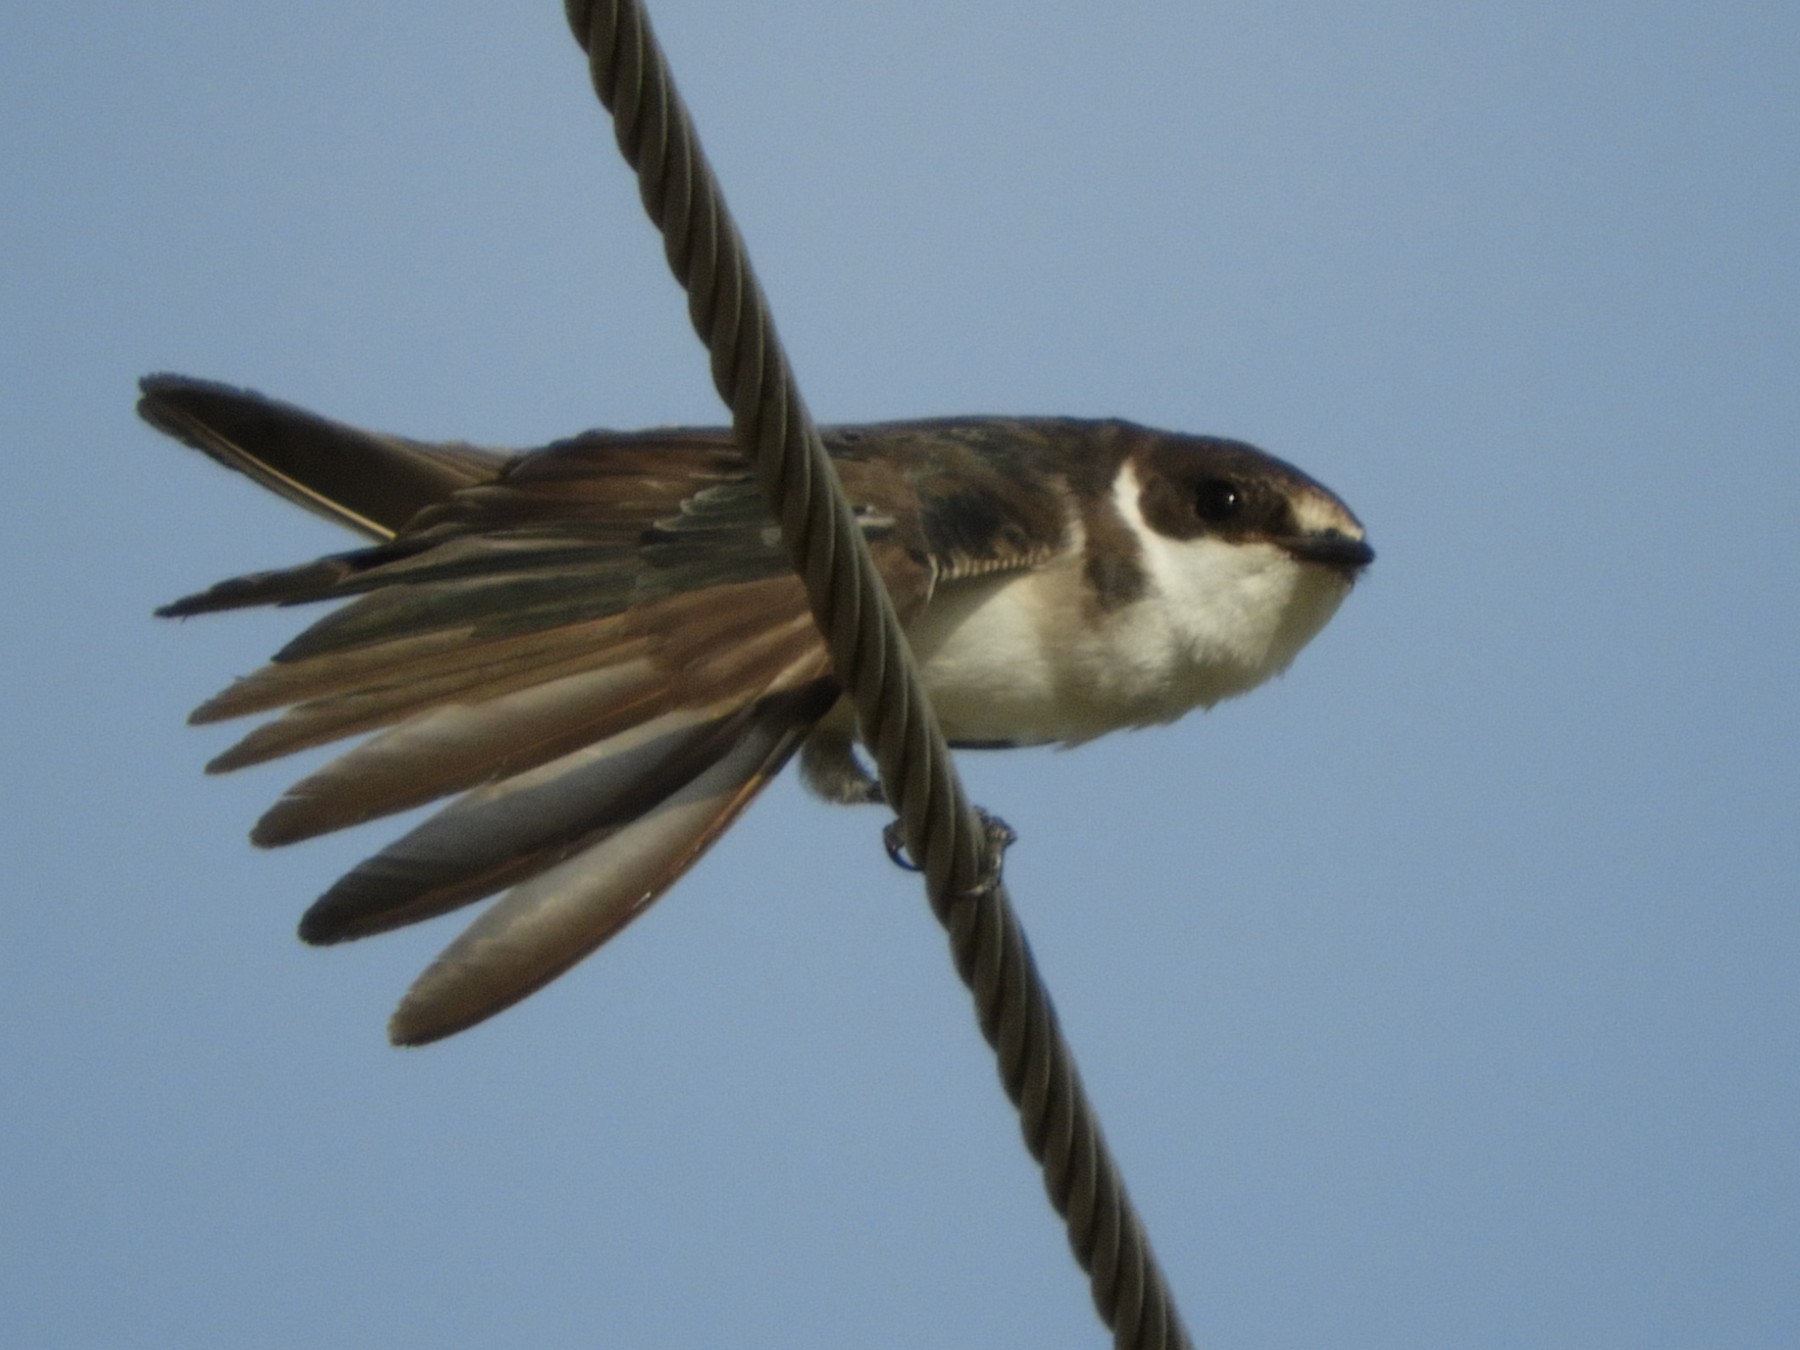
point(1000, 837)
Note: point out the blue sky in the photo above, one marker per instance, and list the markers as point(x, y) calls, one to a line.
point(1441, 994)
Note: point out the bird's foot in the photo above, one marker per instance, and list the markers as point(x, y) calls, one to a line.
point(1000, 837)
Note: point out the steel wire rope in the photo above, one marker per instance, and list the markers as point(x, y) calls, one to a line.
point(950, 841)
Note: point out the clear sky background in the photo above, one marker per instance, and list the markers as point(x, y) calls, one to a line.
point(1442, 994)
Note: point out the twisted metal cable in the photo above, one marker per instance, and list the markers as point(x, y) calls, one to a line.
point(943, 834)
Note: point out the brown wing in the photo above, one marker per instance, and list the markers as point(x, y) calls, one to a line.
point(599, 645)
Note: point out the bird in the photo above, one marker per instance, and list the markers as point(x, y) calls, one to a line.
point(598, 649)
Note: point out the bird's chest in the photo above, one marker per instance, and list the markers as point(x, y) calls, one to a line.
point(1031, 658)
point(1026, 659)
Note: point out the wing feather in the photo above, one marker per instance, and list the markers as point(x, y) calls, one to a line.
point(505, 831)
point(451, 652)
point(371, 705)
point(454, 745)
point(548, 923)
point(451, 746)
point(599, 645)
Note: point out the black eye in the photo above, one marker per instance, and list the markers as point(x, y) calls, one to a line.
point(1218, 501)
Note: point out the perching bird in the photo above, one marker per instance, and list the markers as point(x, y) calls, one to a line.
point(601, 647)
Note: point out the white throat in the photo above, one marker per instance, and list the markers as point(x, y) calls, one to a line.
point(1227, 615)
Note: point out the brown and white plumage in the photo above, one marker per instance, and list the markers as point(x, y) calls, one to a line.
point(600, 647)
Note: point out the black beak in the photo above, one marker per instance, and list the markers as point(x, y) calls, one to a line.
point(1332, 548)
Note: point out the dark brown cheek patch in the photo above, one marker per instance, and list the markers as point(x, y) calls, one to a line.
point(1114, 569)
point(1114, 580)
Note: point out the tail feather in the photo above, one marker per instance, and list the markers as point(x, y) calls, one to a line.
point(372, 483)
